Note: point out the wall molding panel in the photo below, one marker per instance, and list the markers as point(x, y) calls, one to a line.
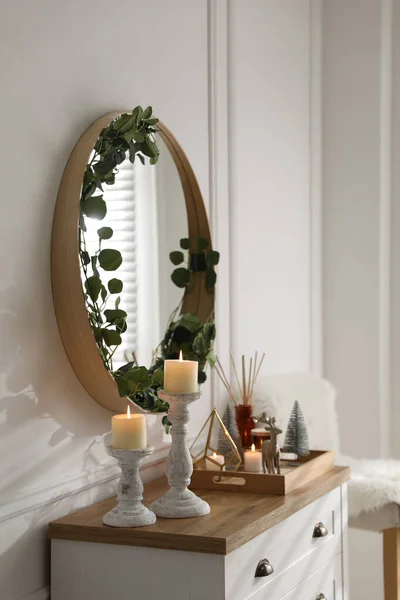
point(42, 594)
point(385, 218)
point(218, 134)
point(316, 343)
point(83, 482)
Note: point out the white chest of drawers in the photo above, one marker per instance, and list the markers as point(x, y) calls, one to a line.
point(250, 547)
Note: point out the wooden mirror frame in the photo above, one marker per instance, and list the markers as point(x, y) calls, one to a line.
point(69, 303)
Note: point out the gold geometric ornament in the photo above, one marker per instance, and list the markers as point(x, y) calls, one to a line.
point(214, 448)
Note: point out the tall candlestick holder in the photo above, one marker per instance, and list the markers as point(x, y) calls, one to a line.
point(179, 502)
point(129, 511)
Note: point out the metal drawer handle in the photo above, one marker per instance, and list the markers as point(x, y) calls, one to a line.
point(320, 531)
point(264, 568)
point(320, 597)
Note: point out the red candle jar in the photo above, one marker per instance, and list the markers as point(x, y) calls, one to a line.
point(245, 423)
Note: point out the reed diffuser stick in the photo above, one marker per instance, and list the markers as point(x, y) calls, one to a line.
point(221, 374)
point(236, 374)
point(246, 382)
point(244, 379)
point(250, 380)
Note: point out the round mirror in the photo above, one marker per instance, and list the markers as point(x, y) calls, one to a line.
point(121, 232)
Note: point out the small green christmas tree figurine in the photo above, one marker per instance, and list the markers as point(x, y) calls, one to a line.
point(296, 438)
point(229, 421)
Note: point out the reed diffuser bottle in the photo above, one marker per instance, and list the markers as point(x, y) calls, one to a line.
point(243, 407)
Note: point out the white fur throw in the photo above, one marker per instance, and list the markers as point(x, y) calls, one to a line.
point(374, 484)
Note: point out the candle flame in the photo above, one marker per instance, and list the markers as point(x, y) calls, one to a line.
point(181, 358)
point(253, 448)
point(128, 412)
point(214, 455)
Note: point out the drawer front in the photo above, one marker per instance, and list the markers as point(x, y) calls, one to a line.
point(286, 545)
point(324, 584)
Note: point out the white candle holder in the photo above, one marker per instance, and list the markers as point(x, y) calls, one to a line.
point(179, 502)
point(129, 511)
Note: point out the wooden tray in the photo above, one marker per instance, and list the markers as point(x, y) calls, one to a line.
point(291, 477)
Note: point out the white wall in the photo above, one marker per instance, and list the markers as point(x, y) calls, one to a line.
point(234, 83)
point(63, 64)
point(269, 129)
point(360, 134)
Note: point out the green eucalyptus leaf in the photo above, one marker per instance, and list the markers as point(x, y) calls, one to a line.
point(93, 287)
point(94, 266)
point(200, 345)
point(167, 424)
point(85, 257)
point(109, 259)
point(124, 368)
point(115, 286)
point(180, 277)
point(203, 243)
point(138, 137)
point(209, 332)
point(105, 233)
point(117, 302)
point(213, 257)
point(138, 112)
point(115, 315)
point(82, 224)
point(121, 121)
point(151, 147)
point(211, 358)
point(201, 378)
point(152, 121)
point(191, 322)
point(176, 257)
point(89, 190)
point(131, 122)
point(211, 278)
point(158, 377)
point(185, 243)
point(97, 333)
point(147, 113)
point(104, 167)
point(123, 386)
point(88, 176)
point(111, 337)
point(94, 207)
point(140, 376)
point(103, 293)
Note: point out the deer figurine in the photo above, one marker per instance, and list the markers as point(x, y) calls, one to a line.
point(271, 453)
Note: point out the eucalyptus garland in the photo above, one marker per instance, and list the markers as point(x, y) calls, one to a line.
point(132, 135)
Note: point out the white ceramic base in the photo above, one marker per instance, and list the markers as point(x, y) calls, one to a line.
point(135, 517)
point(179, 502)
point(129, 511)
point(182, 505)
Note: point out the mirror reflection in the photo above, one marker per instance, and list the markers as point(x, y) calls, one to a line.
point(147, 213)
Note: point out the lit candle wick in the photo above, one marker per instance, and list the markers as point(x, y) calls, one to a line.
point(128, 412)
point(180, 355)
point(253, 448)
point(214, 455)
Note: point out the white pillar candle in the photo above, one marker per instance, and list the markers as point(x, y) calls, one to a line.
point(253, 460)
point(180, 376)
point(128, 431)
point(217, 458)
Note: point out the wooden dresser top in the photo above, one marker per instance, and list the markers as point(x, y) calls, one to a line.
point(235, 518)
